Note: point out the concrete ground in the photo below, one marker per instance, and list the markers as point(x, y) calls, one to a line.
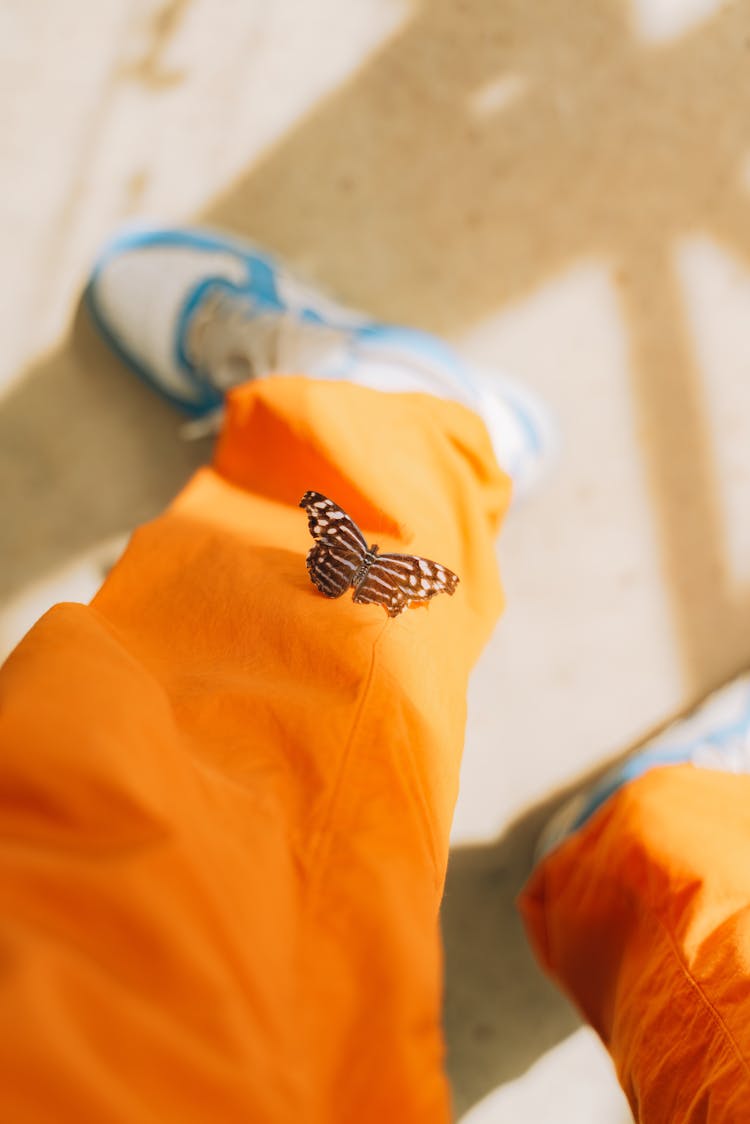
point(561, 189)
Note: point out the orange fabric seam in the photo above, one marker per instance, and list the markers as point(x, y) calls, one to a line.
point(325, 829)
point(430, 827)
point(697, 987)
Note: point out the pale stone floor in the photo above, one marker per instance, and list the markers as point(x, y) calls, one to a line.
point(563, 190)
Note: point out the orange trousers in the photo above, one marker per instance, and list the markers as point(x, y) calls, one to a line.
point(225, 806)
point(226, 799)
point(643, 918)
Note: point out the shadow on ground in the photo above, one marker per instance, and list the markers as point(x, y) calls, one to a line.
point(490, 146)
point(501, 1013)
point(101, 452)
point(483, 150)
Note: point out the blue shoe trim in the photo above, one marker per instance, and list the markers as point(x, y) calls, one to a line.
point(630, 770)
point(179, 354)
point(192, 239)
point(261, 273)
point(640, 763)
point(193, 409)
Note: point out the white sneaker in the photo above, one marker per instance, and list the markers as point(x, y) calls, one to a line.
point(195, 312)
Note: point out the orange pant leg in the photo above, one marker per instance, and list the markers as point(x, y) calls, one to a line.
point(226, 800)
point(643, 918)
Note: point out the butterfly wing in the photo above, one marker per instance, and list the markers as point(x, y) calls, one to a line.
point(394, 581)
point(339, 549)
point(397, 581)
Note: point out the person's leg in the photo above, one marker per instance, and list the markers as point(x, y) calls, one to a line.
point(194, 312)
point(640, 910)
point(226, 798)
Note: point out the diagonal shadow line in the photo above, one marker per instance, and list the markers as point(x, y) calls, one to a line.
point(331, 203)
point(711, 622)
point(401, 199)
point(500, 1012)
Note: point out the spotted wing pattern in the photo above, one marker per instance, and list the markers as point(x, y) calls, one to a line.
point(397, 581)
point(340, 559)
point(340, 549)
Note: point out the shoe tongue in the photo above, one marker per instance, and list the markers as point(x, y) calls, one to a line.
point(306, 346)
point(232, 339)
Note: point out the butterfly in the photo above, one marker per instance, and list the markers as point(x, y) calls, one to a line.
point(341, 559)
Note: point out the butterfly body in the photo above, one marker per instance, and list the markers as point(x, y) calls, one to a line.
point(341, 559)
point(367, 561)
